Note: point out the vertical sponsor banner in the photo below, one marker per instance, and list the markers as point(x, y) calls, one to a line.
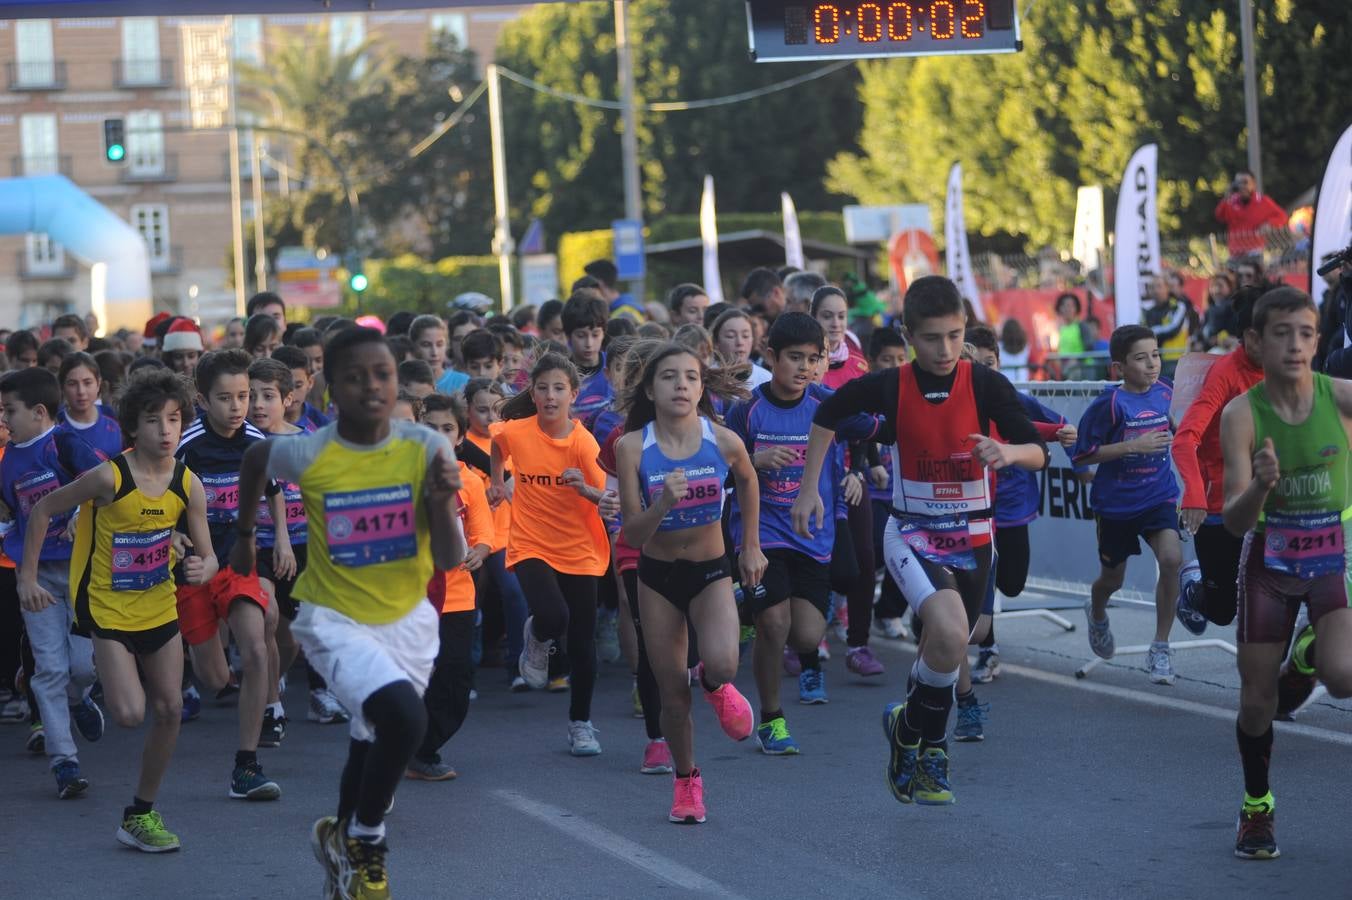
point(793, 238)
point(708, 232)
point(206, 71)
point(1333, 209)
point(957, 256)
point(1136, 251)
point(1087, 241)
point(1063, 540)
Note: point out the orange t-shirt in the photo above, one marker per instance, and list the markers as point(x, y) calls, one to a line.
point(453, 591)
point(502, 516)
point(551, 522)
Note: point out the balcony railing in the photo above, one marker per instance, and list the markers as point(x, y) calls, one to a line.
point(170, 263)
point(143, 73)
point(30, 269)
point(44, 75)
point(40, 165)
point(150, 171)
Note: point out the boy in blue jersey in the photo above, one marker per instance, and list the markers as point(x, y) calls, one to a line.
point(81, 415)
point(775, 423)
point(299, 411)
point(37, 461)
point(1126, 432)
point(213, 449)
point(584, 323)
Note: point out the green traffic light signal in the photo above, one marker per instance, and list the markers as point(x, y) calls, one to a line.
point(116, 152)
point(358, 282)
point(114, 140)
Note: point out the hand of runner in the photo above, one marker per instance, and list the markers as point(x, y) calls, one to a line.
point(773, 458)
point(33, 597)
point(497, 492)
point(989, 452)
point(1192, 519)
point(195, 568)
point(609, 505)
point(675, 487)
point(878, 475)
point(1266, 470)
point(853, 486)
point(807, 504)
point(1154, 442)
point(574, 479)
point(181, 544)
point(283, 561)
point(1067, 435)
point(242, 556)
point(475, 556)
point(752, 565)
point(443, 477)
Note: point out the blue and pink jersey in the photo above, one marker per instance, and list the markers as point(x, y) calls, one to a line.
point(705, 473)
point(1133, 484)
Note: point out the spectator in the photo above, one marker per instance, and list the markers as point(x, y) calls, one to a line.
point(1069, 338)
point(799, 288)
point(1334, 334)
point(1219, 323)
point(1014, 351)
point(1246, 213)
point(1167, 317)
point(763, 288)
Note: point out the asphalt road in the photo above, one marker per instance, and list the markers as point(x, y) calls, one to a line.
point(1106, 787)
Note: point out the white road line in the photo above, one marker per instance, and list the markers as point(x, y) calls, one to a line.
point(623, 849)
point(1187, 706)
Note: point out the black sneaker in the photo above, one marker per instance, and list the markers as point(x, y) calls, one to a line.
point(1257, 837)
point(1293, 690)
point(231, 689)
point(69, 782)
point(274, 729)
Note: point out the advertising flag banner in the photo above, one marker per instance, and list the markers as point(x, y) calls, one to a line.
point(708, 232)
point(1136, 248)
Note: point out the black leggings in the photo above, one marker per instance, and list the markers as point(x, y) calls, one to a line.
point(11, 626)
point(1218, 553)
point(564, 607)
point(396, 715)
point(859, 597)
point(891, 605)
point(648, 694)
point(1011, 567)
point(447, 696)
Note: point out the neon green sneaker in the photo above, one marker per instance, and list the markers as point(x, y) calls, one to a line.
point(775, 739)
point(146, 832)
point(1302, 652)
point(931, 779)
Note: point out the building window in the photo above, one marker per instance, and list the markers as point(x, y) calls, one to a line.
point(152, 221)
point(43, 256)
point(346, 34)
point(248, 40)
point(141, 51)
point(34, 64)
point(452, 24)
point(145, 142)
point(37, 133)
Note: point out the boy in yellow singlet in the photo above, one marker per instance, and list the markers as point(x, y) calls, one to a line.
point(120, 578)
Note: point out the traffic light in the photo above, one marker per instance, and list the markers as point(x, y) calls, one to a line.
point(358, 282)
point(114, 140)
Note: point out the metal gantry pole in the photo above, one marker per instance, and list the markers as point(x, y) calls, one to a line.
point(237, 223)
point(256, 180)
point(503, 245)
point(633, 190)
point(1250, 91)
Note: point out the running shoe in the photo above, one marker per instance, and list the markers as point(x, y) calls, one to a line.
point(559, 684)
point(192, 705)
point(325, 708)
point(37, 739)
point(970, 724)
point(657, 758)
point(987, 667)
point(248, 782)
point(775, 739)
point(891, 628)
point(367, 878)
point(636, 700)
point(733, 711)
point(1189, 616)
point(534, 661)
point(328, 851)
point(420, 770)
point(13, 708)
point(1302, 651)
point(607, 637)
point(931, 779)
point(1100, 634)
point(146, 832)
point(230, 690)
point(88, 719)
point(69, 782)
point(1256, 835)
point(582, 739)
point(1293, 691)
point(861, 661)
point(273, 730)
point(792, 666)
point(687, 802)
point(903, 758)
point(812, 687)
point(1159, 661)
point(519, 685)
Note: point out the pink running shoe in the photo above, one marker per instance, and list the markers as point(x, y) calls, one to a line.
point(792, 667)
point(657, 758)
point(861, 661)
point(687, 802)
point(734, 713)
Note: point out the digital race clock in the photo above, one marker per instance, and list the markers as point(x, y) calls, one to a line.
point(786, 30)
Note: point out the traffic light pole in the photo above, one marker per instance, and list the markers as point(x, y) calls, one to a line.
point(237, 223)
point(633, 196)
point(503, 245)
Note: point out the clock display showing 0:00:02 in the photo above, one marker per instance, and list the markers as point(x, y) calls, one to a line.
point(896, 21)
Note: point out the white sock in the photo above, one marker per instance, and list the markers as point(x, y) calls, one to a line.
point(372, 833)
point(276, 709)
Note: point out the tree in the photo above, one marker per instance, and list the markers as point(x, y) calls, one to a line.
point(564, 158)
point(1093, 82)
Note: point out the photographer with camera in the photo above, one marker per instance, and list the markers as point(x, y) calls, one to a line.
point(1333, 355)
point(1246, 213)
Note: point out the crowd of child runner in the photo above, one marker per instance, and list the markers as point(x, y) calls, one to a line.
point(386, 501)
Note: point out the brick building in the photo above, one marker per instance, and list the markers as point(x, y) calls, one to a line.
point(64, 77)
